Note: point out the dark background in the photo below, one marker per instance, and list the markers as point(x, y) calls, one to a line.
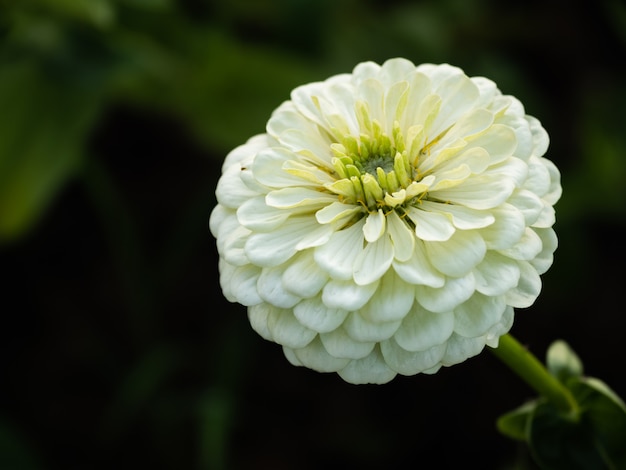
point(118, 349)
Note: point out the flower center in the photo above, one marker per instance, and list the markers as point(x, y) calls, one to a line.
point(375, 170)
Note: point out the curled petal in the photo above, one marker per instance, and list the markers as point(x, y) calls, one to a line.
point(314, 356)
point(410, 363)
point(371, 369)
point(339, 344)
point(313, 314)
point(421, 329)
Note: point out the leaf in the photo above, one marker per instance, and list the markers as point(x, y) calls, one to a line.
point(514, 424)
point(562, 361)
point(44, 123)
point(593, 439)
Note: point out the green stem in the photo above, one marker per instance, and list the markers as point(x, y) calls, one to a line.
point(533, 372)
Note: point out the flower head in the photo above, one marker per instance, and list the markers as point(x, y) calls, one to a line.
point(388, 221)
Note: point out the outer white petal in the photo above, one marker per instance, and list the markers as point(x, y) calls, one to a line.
point(303, 277)
point(418, 270)
point(410, 363)
point(460, 348)
point(347, 295)
point(371, 369)
point(457, 256)
point(540, 136)
point(431, 226)
point(528, 203)
point(373, 261)
point(506, 322)
point(276, 247)
point(527, 248)
point(549, 242)
point(255, 214)
point(374, 226)
point(421, 329)
point(242, 284)
point(462, 217)
point(313, 314)
point(339, 344)
point(258, 316)
point(392, 300)
point(555, 190)
point(478, 314)
point(338, 255)
point(286, 330)
point(480, 192)
point(231, 190)
point(361, 329)
point(246, 152)
point(401, 237)
point(314, 356)
point(271, 289)
point(496, 274)
point(507, 230)
point(527, 289)
point(445, 299)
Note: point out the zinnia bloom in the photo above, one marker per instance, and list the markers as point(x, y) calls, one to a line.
point(388, 221)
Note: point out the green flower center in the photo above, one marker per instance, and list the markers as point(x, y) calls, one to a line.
point(373, 169)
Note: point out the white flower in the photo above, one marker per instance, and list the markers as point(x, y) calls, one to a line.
point(388, 221)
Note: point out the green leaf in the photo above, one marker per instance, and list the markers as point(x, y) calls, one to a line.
point(514, 424)
point(592, 440)
point(562, 361)
point(44, 123)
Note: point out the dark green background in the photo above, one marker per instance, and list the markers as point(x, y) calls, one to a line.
point(118, 348)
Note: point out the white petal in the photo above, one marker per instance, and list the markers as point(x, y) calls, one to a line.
point(446, 298)
point(313, 314)
point(480, 192)
point(246, 152)
point(339, 344)
point(231, 242)
point(364, 330)
point(287, 330)
point(547, 218)
point(496, 274)
point(410, 363)
point(314, 356)
point(338, 254)
point(538, 180)
point(528, 288)
point(296, 197)
point(392, 300)
point(463, 217)
point(303, 277)
point(374, 226)
point(258, 316)
point(267, 168)
point(276, 247)
point(231, 190)
point(457, 256)
point(401, 236)
point(527, 248)
point(499, 141)
point(421, 329)
point(528, 203)
point(242, 284)
point(347, 295)
point(502, 327)
point(373, 261)
point(271, 289)
point(256, 215)
point(431, 226)
point(507, 230)
point(540, 136)
point(371, 369)
point(477, 315)
point(418, 270)
point(555, 190)
point(461, 348)
point(337, 212)
point(549, 243)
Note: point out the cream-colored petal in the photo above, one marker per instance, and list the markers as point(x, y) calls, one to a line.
point(373, 261)
point(303, 276)
point(459, 255)
point(338, 255)
point(496, 274)
point(421, 329)
point(374, 227)
point(445, 299)
point(272, 290)
point(418, 270)
point(361, 329)
point(527, 289)
point(392, 300)
point(507, 230)
point(401, 236)
point(431, 226)
point(314, 314)
point(314, 356)
point(339, 344)
point(347, 295)
point(371, 369)
point(410, 363)
point(549, 243)
point(460, 348)
point(478, 314)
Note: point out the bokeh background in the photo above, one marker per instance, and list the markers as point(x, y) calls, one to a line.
point(118, 349)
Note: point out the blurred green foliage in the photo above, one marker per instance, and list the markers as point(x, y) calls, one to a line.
point(115, 116)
